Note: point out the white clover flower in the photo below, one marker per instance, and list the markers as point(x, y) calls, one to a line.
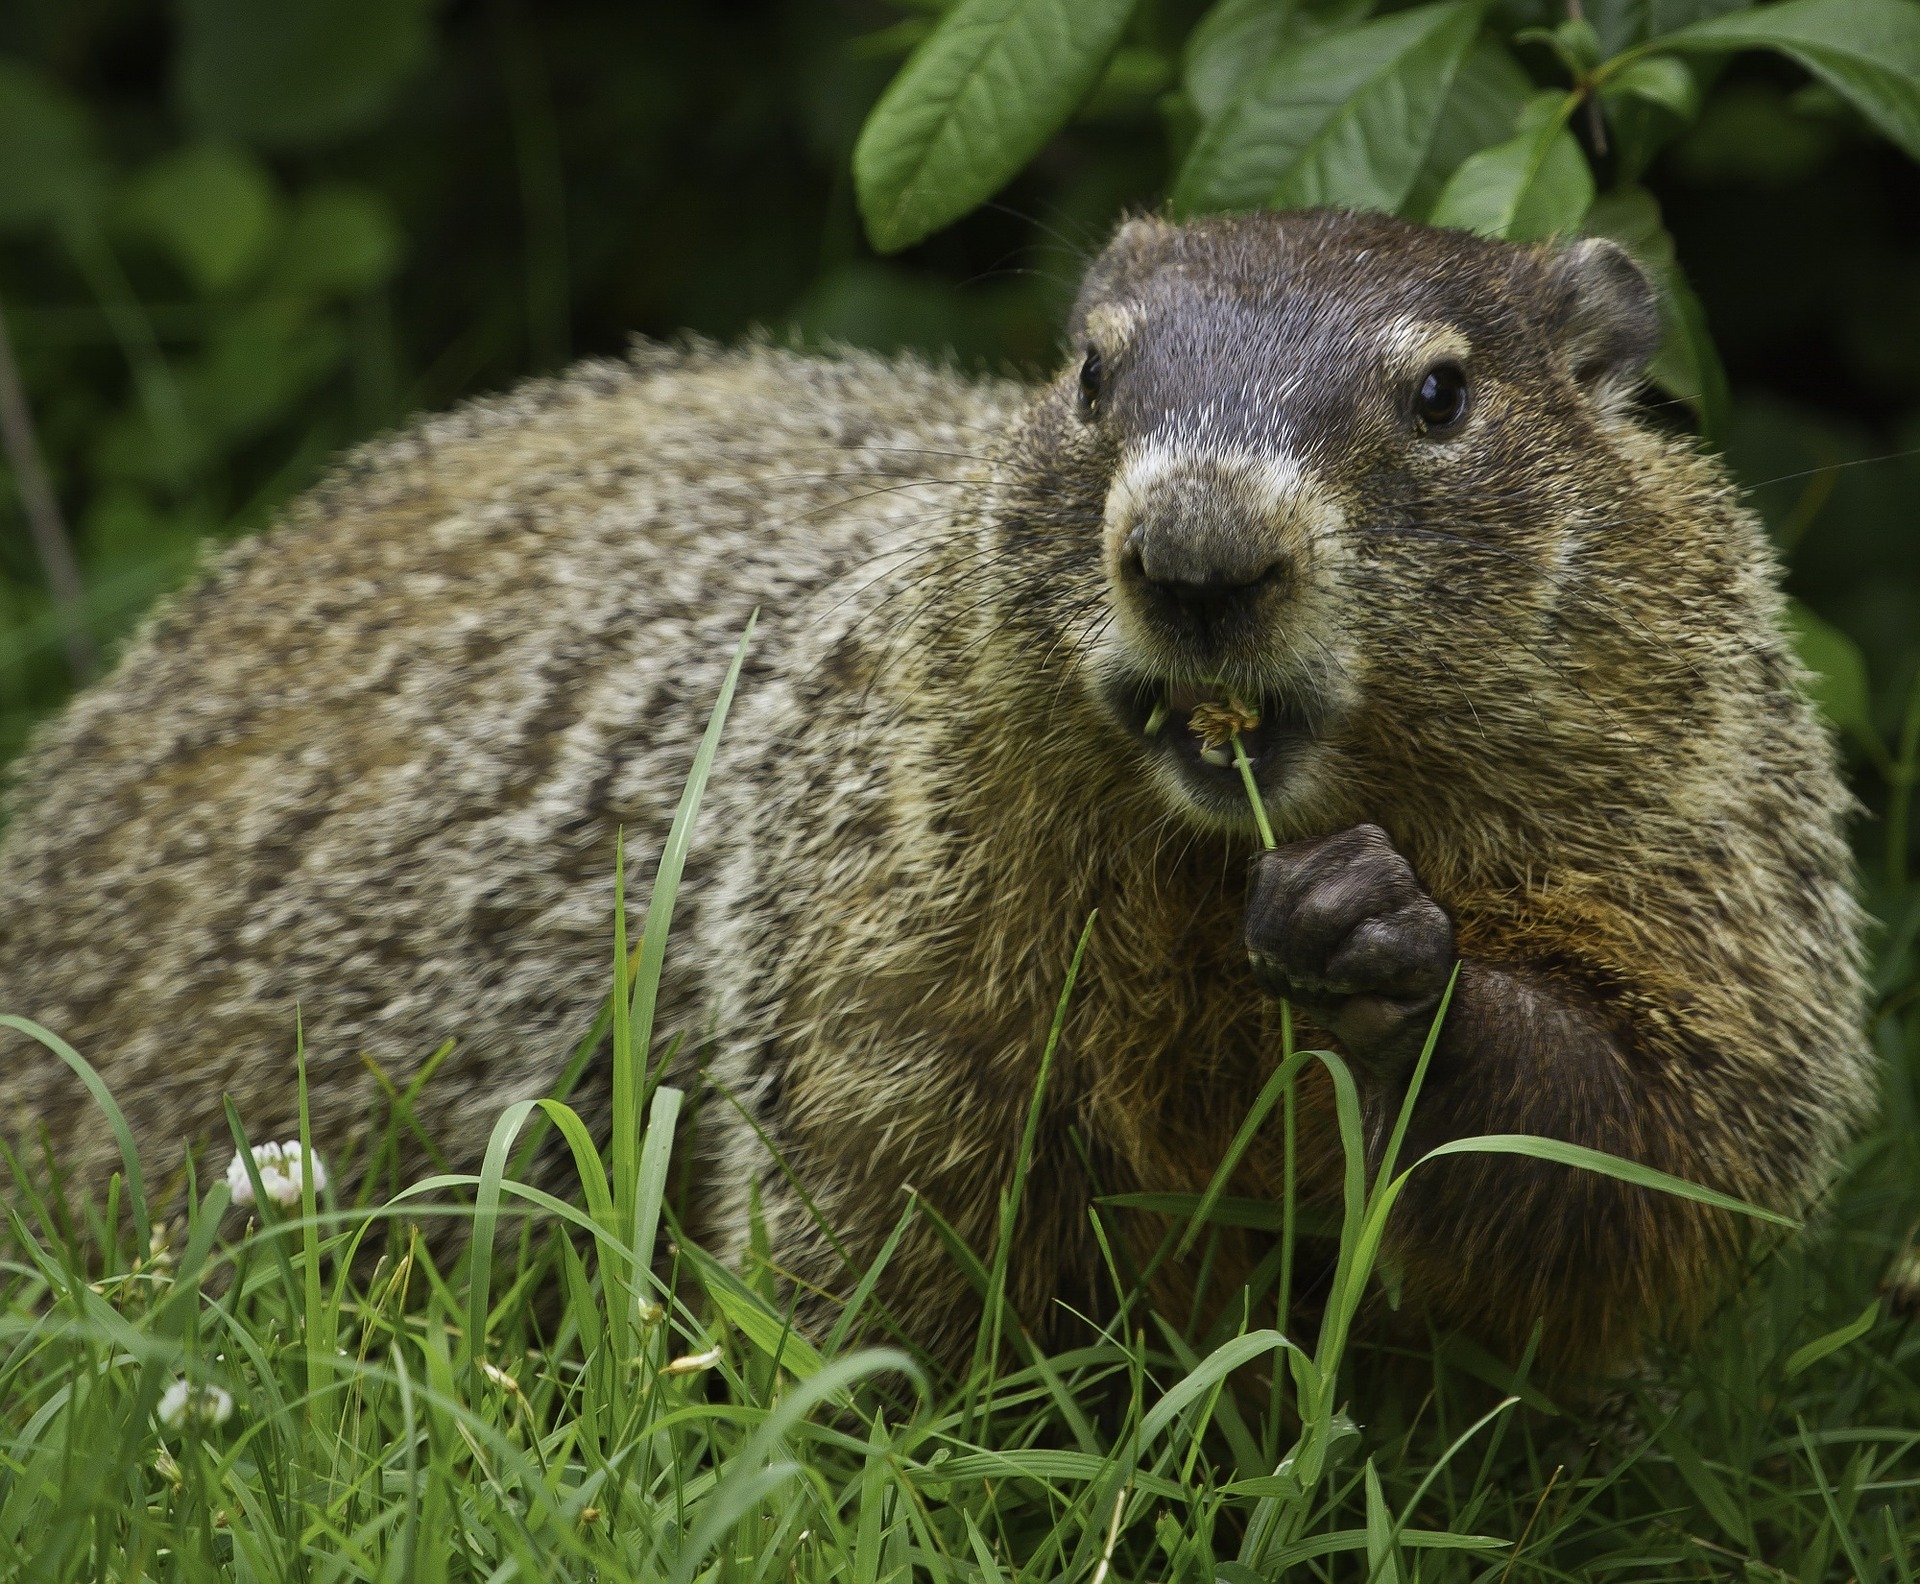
point(183, 1403)
point(281, 1168)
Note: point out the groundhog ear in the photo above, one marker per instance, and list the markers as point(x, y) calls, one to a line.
point(1606, 317)
point(1136, 248)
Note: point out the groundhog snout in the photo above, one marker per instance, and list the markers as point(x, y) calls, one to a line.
point(1197, 591)
point(1205, 549)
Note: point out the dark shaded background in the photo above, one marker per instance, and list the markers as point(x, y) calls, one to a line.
point(236, 236)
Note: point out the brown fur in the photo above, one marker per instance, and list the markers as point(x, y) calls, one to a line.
point(373, 764)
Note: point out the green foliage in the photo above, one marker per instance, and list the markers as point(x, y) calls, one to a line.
point(1867, 50)
point(49, 167)
point(1535, 184)
point(298, 71)
point(1343, 117)
point(975, 103)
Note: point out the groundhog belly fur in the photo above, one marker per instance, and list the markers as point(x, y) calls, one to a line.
point(1524, 704)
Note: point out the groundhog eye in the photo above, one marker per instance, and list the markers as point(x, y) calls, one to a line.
point(1442, 398)
point(1090, 374)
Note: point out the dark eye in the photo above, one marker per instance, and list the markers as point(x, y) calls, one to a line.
point(1441, 401)
point(1090, 375)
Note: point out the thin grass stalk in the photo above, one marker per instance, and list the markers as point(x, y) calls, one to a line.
point(626, 1103)
point(316, 1331)
point(673, 857)
point(1289, 1145)
point(1254, 800)
point(1016, 1191)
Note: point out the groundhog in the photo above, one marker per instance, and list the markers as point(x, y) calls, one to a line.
point(1523, 699)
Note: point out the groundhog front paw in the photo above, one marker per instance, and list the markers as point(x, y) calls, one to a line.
point(1341, 927)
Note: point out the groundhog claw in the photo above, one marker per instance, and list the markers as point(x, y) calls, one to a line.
point(1342, 927)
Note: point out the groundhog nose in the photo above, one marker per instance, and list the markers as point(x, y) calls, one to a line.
point(1197, 591)
point(1205, 606)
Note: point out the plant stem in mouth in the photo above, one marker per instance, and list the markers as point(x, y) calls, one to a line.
point(1253, 793)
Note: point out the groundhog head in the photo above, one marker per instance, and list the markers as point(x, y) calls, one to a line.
point(1300, 446)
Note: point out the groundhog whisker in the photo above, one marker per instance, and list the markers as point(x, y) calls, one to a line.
point(1099, 608)
point(894, 487)
point(901, 560)
point(1081, 248)
point(941, 594)
point(984, 458)
point(1831, 467)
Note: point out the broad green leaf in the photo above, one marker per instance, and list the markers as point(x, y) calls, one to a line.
point(1688, 364)
point(1572, 39)
point(1483, 106)
point(1803, 1358)
point(1237, 37)
point(1646, 106)
point(1230, 41)
point(1631, 217)
point(1868, 51)
point(975, 102)
point(1838, 680)
point(1345, 118)
point(1660, 80)
point(47, 161)
point(212, 207)
point(1534, 185)
point(296, 72)
point(1622, 23)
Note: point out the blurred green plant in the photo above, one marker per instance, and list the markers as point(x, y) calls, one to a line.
point(230, 296)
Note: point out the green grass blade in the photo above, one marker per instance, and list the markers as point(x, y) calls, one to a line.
point(870, 1278)
point(1263, 1104)
point(1216, 1366)
point(486, 1216)
point(1803, 1358)
point(318, 1331)
point(1842, 1530)
point(625, 1144)
point(651, 1187)
point(987, 1347)
point(653, 941)
point(1593, 1160)
point(103, 1098)
point(1405, 1119)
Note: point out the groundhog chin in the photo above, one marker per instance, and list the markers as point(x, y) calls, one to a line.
point(1199, 773)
